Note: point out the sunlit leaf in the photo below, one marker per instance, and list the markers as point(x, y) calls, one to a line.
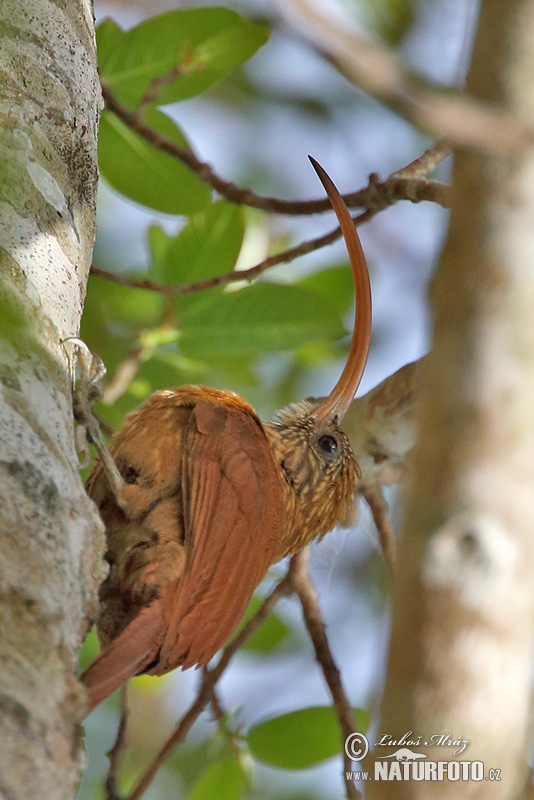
point(391, 19)
point(196, 47)
point(145, 174)
point(116, 304)
point(89, 651)
point(158, 242)
point(335, 284)
point(207, 245)
point(231, 371)
point(224, 780)
point(192, 757)
point(164, 374)
point(262, 317)
point(113, 318)
point(271, 633)
point(108, 37)
point(300, 739)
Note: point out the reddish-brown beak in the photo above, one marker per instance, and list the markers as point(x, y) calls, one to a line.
point(341, 396)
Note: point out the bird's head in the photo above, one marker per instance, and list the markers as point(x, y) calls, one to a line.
point(314, 454)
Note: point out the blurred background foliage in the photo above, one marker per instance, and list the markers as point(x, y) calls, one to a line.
point(253, 98)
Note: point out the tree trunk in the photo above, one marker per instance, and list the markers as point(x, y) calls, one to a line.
point(50, 532)
point(461, 651)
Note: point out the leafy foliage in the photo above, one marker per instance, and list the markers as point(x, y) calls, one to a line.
point(391, 19)
point(169, 58)
point(299, 739)
point(201, 45)
point(145, 174)
point(224, 780)
point(268, 636)
point(263, 317)
point(187, 50)
point(207, 245)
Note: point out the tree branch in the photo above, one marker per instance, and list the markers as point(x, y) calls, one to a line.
point(377, 193)
point(117, 751)
point(391, 190)
point(426, 162)
point(465, 121)
point(221, 716)
point(209, 679)
point(123, 375)
point(381, 426)
point(309, 600)
point(175, 289)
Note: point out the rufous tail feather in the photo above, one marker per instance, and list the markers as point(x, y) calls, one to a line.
point(132, 651)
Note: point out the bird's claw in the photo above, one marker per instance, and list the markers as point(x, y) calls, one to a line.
point(85, 393)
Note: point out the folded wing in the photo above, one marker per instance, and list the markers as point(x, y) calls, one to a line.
point(233, 517)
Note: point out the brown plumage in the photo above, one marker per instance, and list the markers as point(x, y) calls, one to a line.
point(211, 498)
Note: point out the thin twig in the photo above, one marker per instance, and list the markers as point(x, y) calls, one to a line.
point(315, 626)
point(160, 82)
point(105, 426)
point(374, 497)
point(221, 716)
point(156, 87)
point(117, 751)
point(426, 162)
point(382, 201)
point(124, 375)
point(209, 680)
point(377, 191)
point(444, 111)
point(173, 289)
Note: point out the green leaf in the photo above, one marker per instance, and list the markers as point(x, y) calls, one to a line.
point(233, 46)
point(145, 174)
point(202, 45)
point(263, 317)
point(108, 37)
point(208, 245)
point(158, 243)
point(334, 283)
point(113, 318)
point(89, 651)
point(391, 19)
point(232, 371)
point(224, 780)
point(109, 304)
point(300, 739)
point(269, 635)
point(165, 370)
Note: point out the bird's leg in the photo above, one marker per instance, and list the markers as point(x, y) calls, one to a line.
point(85, 393)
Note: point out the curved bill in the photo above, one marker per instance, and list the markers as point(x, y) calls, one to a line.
point(341, 396)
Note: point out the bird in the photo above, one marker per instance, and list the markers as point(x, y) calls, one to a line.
point(211, 497)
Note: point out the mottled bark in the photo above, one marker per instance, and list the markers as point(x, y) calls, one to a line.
point(461, 651)
point(48, 173)
point(381, 426)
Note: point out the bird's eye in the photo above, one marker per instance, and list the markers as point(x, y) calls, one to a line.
point(130, 475)
point(328, 445)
